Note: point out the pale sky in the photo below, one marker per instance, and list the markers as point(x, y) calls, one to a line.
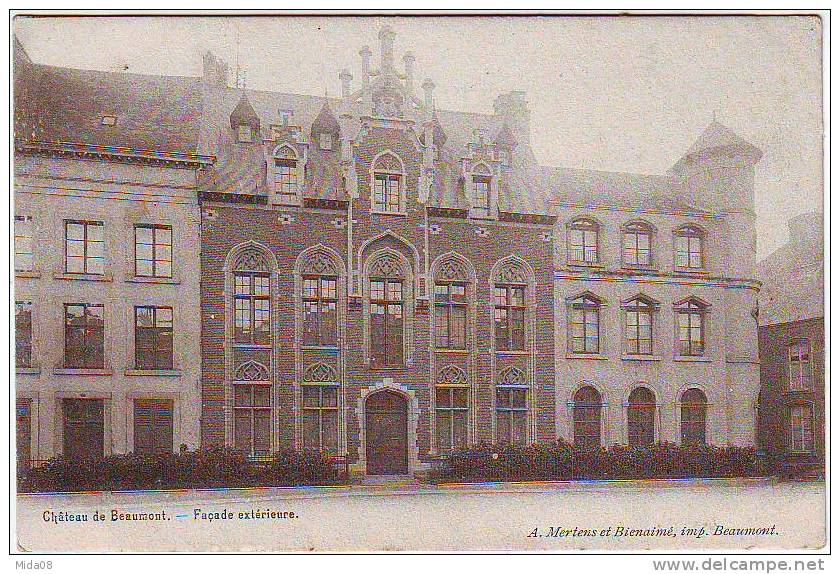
point(609, 93)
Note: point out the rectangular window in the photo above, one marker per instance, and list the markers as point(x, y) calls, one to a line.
point(583, 244)
point(153, 338)
point(450, 315)
point(320, 301)
point(638, 328)
point(84, 336)
point(637, 248)
point(252, 418)
point(286, 180)
point(84, 247)
point(481, 196)
point(23, 334)
point(585, 329)
point(386, 322)
point(325, 141)
point(799, 366)
point(244, 134)
point(153, 426)
point(451, 417)
point(509, 317)
point(153, 251)
point(386, 193)
point(252, 308)
point(511, 415)
point(691, 333)
point(801, 429)
point(319, 417)
point(24, 243)
point(689, 251)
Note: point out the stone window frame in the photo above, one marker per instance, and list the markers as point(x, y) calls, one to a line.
point(513, 270)
point(231, 260)
point(657, 410)
point(409, 295)
point(601, 405)
point(800, 343)
point(585, 300)
point(452, 377)
point(32, 247)
point(482, 170)
point(299, 169)
point(403, 182)
point(504, 380)
point(690, 230)
point(791, 445)
point(682, 404)
point(636, 227)
point(585, 223)
point(306, 259)
point(685, 306)
point(627, 305)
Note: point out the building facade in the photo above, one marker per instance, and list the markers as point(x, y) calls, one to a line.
point(106, 227)
point(388, 281)
point(792, 342)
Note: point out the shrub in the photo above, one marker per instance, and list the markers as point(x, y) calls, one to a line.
point(212, 467)
point(561, 461)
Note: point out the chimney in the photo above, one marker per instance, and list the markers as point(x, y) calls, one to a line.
point(365, 55)
point(512, 107)
point(408, 62)
point(428, 100)
point(345, 78)
point(215, 70)
point(386, 49)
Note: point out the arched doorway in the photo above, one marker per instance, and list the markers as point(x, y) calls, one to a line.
point(386, 433)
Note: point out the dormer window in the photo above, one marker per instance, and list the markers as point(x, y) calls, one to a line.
point(108, 120)
point(244, 134)
point(286, 174)
point(481, 195)
point(387, 193)
point(325, 142)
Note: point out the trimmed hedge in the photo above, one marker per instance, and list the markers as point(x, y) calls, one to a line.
point(561, 461)
point(214, 467)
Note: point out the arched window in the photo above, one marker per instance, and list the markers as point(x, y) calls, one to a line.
point(451, 286)
point(583, 241)
point(451, 408)
point(688, 247)
point(319, 408)
point(587, 418)
point(252, 299)
point(799, 365)
point(482, 179)
point(386, 311)
point(641, 417)
point(252, 408)
point(638, 325)
point(286, 185)
point(691, 327)
point(584, 324)
point(637, 241)
point(801, 428)
point(510, 290)
point(319, 276)
point(693, 406)
point(387, 196)
point(512, 407)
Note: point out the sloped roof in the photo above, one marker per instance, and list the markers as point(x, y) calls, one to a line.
point(715, 138)
point(243, 114)
point(160, 113)
point(325, 122)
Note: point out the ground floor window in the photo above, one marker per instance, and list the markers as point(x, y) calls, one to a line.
point(320, 417)
point(451, 417)
point(512, 408)
point(24, 434)
point(693, 406)
point(84, 428)
point(252, 418)
point(641, 417)
point(801, 428)
point(152, 426)
point(587, 418)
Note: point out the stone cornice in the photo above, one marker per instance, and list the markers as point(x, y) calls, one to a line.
point(75, 150)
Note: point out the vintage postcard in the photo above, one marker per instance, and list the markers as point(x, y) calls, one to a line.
point(435, 283)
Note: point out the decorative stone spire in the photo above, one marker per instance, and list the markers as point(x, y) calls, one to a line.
point(386, 50)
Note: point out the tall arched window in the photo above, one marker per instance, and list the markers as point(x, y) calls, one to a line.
point(688, 247)
point(388, 184)
point(585, 324)
point(319, 408)
point(451, 408)
point(587, 418)
point(451, 298)
point(286, 185)
point(693, 406)
point(512, 407)
point(691, 327)
point(319, 281)
point(638, 238)
point(510, 305)
point(641, 417)
point(252, 299)
point(799, 365)
point(638, 325)
point(252, 408)
point(583, 241)
point(387, 299)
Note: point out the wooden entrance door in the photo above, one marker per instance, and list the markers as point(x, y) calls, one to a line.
point(84, 428)
point(386, 433)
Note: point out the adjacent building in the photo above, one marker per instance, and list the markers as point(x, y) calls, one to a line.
point(106, 226)
point(792, 342)
point(380, 278)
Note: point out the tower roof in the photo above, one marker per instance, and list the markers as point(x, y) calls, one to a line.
point(505, 137)
point(244, 115)
point(325, 122)
point(717, 138)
